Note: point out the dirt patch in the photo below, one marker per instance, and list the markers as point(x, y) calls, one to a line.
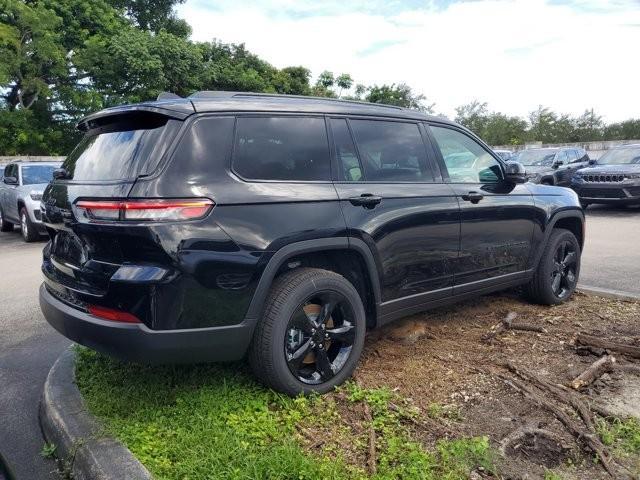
point(439, 361)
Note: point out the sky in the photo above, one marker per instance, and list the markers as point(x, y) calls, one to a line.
point(569, 55)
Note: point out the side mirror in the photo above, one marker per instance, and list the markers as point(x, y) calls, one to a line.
point(515, 172)
point(556, 164)
point(11, 180)
point(592, 161)
point(60, 174)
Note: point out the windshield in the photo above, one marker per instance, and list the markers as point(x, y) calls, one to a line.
point(621, 156)
point(34, 174)
point(122, 150)
point(541, 158)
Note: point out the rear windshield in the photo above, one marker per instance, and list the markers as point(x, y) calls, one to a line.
point(122, 150)
point(34, 174)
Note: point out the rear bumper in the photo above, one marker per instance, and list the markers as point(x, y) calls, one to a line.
point(138, 343)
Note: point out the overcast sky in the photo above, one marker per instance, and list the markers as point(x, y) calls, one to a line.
point(514, 54)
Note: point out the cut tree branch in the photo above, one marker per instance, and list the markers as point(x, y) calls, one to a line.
point(590, 341)
point(596, 370)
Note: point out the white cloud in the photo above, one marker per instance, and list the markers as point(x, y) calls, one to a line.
point(513, 54)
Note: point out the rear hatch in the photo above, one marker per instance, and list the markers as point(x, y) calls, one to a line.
point(117, 149)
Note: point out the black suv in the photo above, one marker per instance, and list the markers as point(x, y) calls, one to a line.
point(282, 228)
point(614, 178)
point(552, 166)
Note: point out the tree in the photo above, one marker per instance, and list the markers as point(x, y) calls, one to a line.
point(400, 95)
point(626, 130)
point(587, 127)
point(474, 116)
point(344, 82)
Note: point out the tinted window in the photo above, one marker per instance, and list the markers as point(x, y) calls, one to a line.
point(34, 174)
point(122, 150)
point(561, 157)
point(350, 169)
point(281, 148)
point(466, 160)
point(10, 171)
point(391, 151)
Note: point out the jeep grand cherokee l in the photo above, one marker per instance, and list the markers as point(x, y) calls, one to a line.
point(552, 166)
point(282, 228)
point(614, 178)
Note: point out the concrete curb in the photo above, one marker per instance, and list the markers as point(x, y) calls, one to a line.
point(86, 452)
point(608, 293)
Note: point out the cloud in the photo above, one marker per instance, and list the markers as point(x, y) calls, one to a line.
point(514, 54)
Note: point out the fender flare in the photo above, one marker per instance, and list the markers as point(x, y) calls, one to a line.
point(308, 246)
point(551, 223)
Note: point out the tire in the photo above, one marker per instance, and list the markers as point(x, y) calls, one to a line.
point(542, 288)
point(277, 340)
point(5, 226)
point(27, 228)
point(547, 181)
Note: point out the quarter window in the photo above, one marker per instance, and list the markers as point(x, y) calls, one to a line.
point(391, 151)
point(466, 160)
point(281, 148)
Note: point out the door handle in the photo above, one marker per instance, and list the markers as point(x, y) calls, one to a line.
point(366, 200)
point(473, 197)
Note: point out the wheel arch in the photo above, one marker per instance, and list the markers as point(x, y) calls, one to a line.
point(572, 220)
point(332, 254)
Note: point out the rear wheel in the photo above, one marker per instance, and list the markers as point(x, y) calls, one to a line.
point(311, 335)
point(557, 274)
point(27, 228)
point(4, 225)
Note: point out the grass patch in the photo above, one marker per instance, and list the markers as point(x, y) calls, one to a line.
point(215, 421)
point(623, 435)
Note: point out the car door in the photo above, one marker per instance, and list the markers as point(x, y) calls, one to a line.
point(394, 201)
point(497, 217)
point(9, 193)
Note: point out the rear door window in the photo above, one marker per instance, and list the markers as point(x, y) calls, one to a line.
point(123, 149)
point(391, 151)
point(282, 148)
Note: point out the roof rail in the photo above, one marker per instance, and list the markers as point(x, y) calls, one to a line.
point(167, 96)
point(226, 94)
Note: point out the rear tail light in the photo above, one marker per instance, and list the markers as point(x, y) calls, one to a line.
point(142, 210)
point(112, 314)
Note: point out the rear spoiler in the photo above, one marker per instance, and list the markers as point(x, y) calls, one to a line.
point(173, 108)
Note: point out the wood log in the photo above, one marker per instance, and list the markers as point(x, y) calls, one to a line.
point(624, 348)
point(595, 371)
point(507, 324)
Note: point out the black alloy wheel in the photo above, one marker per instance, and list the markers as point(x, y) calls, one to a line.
point(311, 334)
point(556, 277)
point(320, 337)
point(563, 276)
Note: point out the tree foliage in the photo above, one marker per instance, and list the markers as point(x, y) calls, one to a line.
point(61, 59)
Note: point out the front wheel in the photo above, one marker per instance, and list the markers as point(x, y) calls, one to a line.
point(556, 277)
point(311, 335)
point(27, 228)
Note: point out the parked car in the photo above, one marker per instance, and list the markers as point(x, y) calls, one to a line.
point(20, 193)
point(506, 155)
point(552, 166)
point(614, 178)
point(282, 228)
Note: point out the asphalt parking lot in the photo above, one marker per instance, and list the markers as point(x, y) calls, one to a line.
point(28, 346)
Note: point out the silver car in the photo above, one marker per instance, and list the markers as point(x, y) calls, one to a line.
point(20, 193)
